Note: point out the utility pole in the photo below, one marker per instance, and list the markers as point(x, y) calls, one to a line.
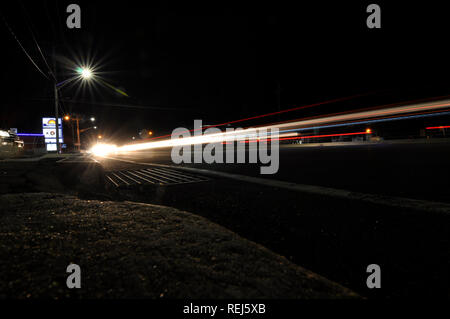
point(73, 135)
point(58, 149)
point(279, 98)
point(78, 134)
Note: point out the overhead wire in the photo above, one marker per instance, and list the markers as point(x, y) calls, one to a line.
point(31, 27)
point(22, 47)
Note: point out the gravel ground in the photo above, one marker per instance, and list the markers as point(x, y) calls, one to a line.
point(336, 238)
point(134, 250)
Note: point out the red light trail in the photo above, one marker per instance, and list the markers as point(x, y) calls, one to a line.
point(307, 136)
point(273, 113)
point(437, 127)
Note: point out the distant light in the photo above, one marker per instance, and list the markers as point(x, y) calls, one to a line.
point(95, 127)
point(67, 117)
point(100, 137)
point(92, 119)
point(150, 133)
point(368, 131)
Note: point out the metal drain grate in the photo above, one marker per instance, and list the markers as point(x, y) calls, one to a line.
point(145, 176)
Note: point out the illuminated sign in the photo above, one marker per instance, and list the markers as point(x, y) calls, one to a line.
point(51, 147)
point(50, 122)
point(49, 132)
point(50, 135)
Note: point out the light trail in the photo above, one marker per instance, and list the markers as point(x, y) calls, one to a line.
point(103, 149)
point(247, 134)
point(367, 114)
point(312, 105)
point(437, 127)
point(306, 137)
point(272, 113)
point(440, 98)
point(385, 119)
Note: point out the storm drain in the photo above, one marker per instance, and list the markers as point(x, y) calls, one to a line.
point(146, 176)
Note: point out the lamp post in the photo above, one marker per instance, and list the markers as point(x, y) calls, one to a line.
point(85, 74)
point(58, 148)
point(77, 120)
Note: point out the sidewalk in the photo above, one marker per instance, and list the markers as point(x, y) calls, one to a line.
point(39, 157)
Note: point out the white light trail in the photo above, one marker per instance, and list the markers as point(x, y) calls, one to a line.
point(244, 134)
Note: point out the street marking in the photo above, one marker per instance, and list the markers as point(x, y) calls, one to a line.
point(120, 178)
point(112, 181)
point(178, 175)
point(150, 176)
point(129, 177)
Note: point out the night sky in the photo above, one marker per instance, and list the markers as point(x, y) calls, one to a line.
point(219, 60)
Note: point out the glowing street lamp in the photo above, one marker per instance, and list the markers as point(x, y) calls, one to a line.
point(77, 119)
point(85, 73)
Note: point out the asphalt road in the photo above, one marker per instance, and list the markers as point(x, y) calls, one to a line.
point(416, 170)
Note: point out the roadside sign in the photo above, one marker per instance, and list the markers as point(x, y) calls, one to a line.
point(50, 122)
point(49, 131)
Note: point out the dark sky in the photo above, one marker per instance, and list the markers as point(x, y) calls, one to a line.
point(220, 60)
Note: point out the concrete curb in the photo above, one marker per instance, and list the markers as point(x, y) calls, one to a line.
point(82, 171)
point(392, 201)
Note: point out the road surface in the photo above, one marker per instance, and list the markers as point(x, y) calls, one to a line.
point(416, 170)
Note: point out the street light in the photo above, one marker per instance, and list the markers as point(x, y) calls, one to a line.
point(85, 73)
point(77, 119)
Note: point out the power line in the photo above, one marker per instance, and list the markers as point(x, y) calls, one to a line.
point(49, 19)
point(31, 27)
point(23, 49)
point(120, 105)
